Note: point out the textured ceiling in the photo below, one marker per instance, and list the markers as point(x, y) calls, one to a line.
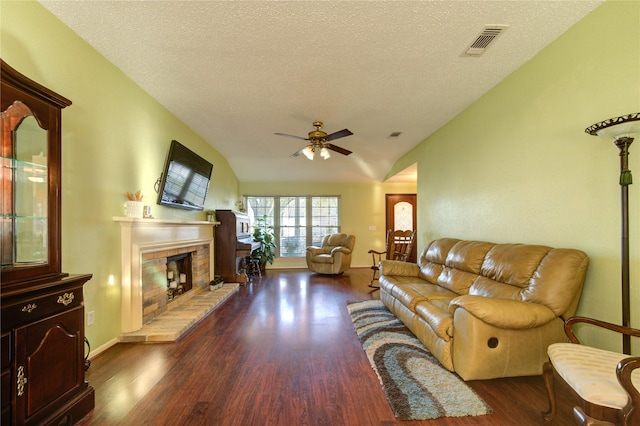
point(236, 72)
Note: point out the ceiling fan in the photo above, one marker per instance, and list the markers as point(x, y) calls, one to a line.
point(320, 141)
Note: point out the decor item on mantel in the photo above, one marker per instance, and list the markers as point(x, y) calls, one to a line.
point(622, 131)
point(134, 207)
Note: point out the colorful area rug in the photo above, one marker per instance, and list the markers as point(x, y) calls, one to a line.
point(416, 385)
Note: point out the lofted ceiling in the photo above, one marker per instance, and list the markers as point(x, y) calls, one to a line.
point(236, 72)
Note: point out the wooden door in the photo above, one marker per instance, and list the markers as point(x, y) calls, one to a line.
point(401, 214)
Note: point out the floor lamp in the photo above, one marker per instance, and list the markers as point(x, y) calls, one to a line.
point(622, 130)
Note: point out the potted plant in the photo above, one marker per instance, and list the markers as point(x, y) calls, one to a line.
point(264, 233)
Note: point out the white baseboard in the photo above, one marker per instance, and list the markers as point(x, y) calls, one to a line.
point(97, 351)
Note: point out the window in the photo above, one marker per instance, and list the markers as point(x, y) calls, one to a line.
point(298, 221)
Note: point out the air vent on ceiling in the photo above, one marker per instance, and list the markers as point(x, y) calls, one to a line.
point(485, 38)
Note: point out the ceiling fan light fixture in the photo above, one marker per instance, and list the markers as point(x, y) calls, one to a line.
point(324, 153)
point(320, 141)
point(308, 152)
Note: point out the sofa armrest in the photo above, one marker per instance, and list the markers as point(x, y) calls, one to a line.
point(340, 249)
point(504, 313)
point(313, 250)
point(397, 267)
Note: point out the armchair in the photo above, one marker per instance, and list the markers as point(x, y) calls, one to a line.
point(333, 257)
point(605, 383)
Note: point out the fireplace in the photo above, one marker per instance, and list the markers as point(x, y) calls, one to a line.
point(147, 246)
point(168, 275)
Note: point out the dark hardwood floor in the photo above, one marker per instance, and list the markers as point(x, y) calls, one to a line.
point(281, 351)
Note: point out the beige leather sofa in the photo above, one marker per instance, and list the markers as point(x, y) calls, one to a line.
point(486, 310)
point(334, 257)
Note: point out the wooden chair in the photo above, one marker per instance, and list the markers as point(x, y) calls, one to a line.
point(398, 247)
point(604, 383)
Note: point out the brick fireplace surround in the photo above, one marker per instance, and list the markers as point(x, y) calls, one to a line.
point(145, 245)
point(154, 277)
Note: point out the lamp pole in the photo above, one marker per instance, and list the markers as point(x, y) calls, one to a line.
point(625, 180)
point(622, 131)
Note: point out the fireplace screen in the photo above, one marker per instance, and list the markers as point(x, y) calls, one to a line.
point(179, 279)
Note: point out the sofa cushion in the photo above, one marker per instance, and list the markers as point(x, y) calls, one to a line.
point(410, 292)
point(433, 258)
point(486, 287)
point(566, 268)
point(468, 255)
point(513, 264)
point(524, 272)
point(507, 269)
point(323, 258)
point(388, 283)
point(463, 264)
point(456, 280)
point(438, 250)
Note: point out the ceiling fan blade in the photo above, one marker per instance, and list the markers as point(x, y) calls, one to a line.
point(338, 149)
point(340, 134)
point(291, 136)
point(298, 152)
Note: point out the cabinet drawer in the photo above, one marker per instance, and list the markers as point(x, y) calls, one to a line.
point(32, 309)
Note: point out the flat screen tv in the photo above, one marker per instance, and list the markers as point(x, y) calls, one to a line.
point(185, 180)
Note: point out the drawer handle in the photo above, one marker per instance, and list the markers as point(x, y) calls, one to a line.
point(66, 298)
point(22, 380)
point(29, 308)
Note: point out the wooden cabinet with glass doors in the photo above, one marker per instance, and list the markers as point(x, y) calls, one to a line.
point(42, 339)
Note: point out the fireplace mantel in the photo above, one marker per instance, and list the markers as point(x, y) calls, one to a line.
point(140, 236)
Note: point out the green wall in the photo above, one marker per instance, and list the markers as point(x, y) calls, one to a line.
point(517, 166)
point(115, 139)
point(362, 206)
